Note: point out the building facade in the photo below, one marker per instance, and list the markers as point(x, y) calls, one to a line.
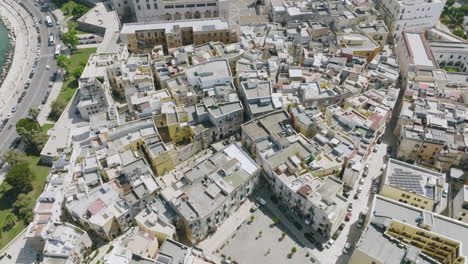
point(410, 15)
point(144, 36)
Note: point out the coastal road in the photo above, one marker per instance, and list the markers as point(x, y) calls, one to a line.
point(40, 81)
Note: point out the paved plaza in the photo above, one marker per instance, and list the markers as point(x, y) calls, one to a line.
point(247, 245)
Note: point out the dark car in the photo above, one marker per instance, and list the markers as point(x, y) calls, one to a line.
point(346, 194)
point(319, 246)
point(389, 150)
point(53, 77)
point(379, 140)
point(309, 237)
point(341, 226)
point(15, 142)
point(297, 225)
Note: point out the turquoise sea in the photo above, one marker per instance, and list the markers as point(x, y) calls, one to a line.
point(4, 44)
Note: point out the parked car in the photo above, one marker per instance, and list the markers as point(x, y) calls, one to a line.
point(347, 248)
point(319, 246)
point(348, 216)
point(375, 189)
point(336, 235)
point(14, 109)
point(376, 148)
point(361, 181)
point(445, 193)
point(346, 194)
point(254, 208)
point(360, 222)
point(356, 196)
point(364, 174)
point(342, 226)
point(310, 237)
point(261, 201)
point(297, 225)
point(329, 243)
point(350, 207)
point(389, 150)
point(54, 77)
point(359, 189)
point(380, 140)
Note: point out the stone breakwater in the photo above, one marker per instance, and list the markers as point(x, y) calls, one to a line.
point(5, 68)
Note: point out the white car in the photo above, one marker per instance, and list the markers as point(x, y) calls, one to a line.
point(47, 67)
point(329, 243)
point(254, 208)
point(359, 189)
point(361, 181)
point(444, 193)
point(261, 201)
point(8, 116)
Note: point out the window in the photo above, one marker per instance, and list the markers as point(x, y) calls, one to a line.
point(148, 6)
point(180, 6)
point(137, 1)
point(189, 5)
point(125, 2)
point(155, 6)
point(211, 4)
point(169, 6)
point(201, 5)
point(139, 7)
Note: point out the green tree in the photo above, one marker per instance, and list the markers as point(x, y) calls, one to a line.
point(276, 220)
point(23, 207)
point(293, 250)
point(14, 156)
point(76, 73)
point(29, 131)
point(252, 218)
point(57, 108)
point(20, 177)
point(283, 235)
point(63, 62)
point(79, 11)
point(10, 221)
point(39, 140)
point(70, 39)
point(459, 32)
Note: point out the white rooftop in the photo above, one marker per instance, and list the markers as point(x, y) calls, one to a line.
point(418, 50)
point(206, 24)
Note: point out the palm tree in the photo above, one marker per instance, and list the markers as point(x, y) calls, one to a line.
point(252, 218)
point(33, 114)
